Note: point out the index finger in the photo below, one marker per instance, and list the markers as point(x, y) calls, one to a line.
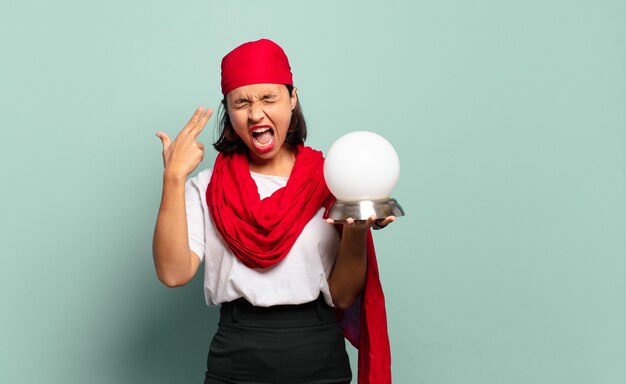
point(199, 125)
point(196, 115)
point(382, 223)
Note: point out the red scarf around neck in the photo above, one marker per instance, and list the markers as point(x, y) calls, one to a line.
point(261, 232)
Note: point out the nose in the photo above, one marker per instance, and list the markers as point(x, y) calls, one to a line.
point(256, 113)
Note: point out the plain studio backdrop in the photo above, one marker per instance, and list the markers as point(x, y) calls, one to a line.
point(509, 118)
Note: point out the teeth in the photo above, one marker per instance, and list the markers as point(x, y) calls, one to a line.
point(261, 130)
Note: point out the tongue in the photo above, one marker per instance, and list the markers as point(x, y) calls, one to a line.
point(264, 137)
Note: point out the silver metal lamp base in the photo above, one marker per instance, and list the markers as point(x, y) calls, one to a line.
point(340, 211)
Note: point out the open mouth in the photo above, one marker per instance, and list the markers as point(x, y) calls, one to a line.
point(263, 138)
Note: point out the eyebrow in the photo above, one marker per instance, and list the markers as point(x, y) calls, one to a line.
point(264, 97)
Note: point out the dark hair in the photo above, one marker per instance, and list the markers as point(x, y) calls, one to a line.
point(228, 141)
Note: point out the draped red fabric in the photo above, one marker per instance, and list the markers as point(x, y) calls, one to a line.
point(261, 232)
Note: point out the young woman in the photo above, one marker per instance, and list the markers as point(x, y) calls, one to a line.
point(282, 275)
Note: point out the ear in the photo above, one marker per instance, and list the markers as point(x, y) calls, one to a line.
point(294, 98)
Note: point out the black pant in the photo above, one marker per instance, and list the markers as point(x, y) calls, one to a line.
point(290, 344)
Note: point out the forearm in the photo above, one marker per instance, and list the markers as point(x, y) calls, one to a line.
point(348, 276)
point(170, 247)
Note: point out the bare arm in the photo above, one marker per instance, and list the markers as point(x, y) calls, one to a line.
point(348, 276)
point(174, 261)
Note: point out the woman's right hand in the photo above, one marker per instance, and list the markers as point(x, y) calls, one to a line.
point(183, 155)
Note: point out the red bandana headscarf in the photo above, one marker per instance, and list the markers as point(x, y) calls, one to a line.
point(261, 232)
point(256, 62)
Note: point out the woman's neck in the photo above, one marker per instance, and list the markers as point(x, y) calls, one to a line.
point(279, 165)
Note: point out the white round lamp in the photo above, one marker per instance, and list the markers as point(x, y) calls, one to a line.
point(361, 169)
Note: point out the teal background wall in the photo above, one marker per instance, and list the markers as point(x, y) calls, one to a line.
point(509, 118)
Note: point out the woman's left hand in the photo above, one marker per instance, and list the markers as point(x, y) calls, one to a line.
point(362, 225)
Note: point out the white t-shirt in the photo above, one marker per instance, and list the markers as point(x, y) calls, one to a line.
point(297, 279)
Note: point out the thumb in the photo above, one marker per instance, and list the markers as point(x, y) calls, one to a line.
point(165, 139)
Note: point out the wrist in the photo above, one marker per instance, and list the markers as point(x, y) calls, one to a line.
point(355, 232)
point(171, 177)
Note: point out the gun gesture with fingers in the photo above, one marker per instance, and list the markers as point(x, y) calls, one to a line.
point(182, 156)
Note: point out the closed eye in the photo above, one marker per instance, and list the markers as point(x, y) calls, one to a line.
point(239, 104)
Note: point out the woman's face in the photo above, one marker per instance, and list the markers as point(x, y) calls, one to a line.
point(260, 115)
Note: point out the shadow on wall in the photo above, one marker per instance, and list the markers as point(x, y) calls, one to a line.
point(168, 340)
